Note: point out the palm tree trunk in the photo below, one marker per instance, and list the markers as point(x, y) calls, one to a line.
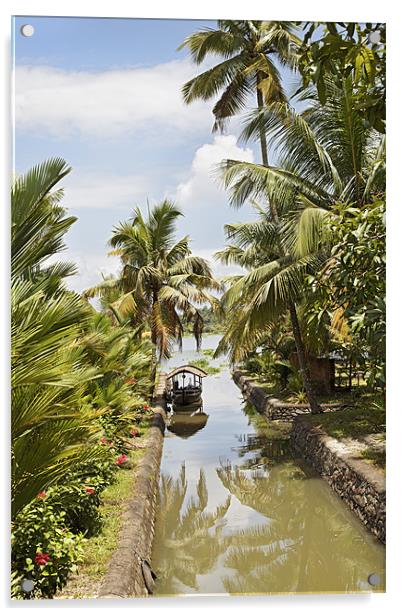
point(263, 137)
point(263, 141)
point(301, 353)
point(303, 364)
point(154, 344)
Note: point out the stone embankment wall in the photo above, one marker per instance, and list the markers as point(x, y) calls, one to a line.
point(272, 408)
point(359, 484)
point(129, 573)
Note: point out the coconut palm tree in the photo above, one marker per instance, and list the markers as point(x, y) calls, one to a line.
point(274, 282)
point(161, 283)
point(250, 52)
point(327, 154)
point(249, 48)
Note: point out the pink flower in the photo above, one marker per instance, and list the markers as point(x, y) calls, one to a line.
point(103, 440)
point(89, 490)
point(134, 432)
point(42, 494)
point(121, 459)
point(42, 559)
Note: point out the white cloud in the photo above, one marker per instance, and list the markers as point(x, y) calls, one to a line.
point(109, 103)
point(84, 189)
point(202, 186)
point(204, 204)
point(91, 267)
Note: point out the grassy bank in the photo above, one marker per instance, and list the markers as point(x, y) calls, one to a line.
point(99, 549)
point(364, 423)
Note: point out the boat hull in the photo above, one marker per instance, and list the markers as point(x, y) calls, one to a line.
point(186, 397)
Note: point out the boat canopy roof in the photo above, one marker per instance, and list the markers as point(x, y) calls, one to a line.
point(188, 368)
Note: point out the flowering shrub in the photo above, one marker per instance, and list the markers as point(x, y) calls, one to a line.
point(80, 503)
point(122, 459)
point(44, 550)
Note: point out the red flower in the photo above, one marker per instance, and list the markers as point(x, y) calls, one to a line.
point(89, 490)
point(146, 407)
point(42, 494)
point(121, 459)
point(42, 559)
point(134, 432)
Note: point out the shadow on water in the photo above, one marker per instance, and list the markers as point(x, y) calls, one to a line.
point(239, 514)
point(186, 424)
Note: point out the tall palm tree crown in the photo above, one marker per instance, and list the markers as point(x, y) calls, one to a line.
point(275, 278)
point(248, 49)
point(161, 282)
point(326, 154)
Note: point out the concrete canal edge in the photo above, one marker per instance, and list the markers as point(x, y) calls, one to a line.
point(129, 572)
point(361, 486)
point(271, 408)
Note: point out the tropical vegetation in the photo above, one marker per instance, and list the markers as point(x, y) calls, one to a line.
point(329, 162)
point(312, 285)
point(162, 284)
point(80, 383)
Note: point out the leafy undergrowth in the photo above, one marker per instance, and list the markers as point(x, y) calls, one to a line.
point(358, 395)
point(99, 549)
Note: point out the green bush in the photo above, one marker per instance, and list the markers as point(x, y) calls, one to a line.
point(295, 382)
point(80, 496)
point(44, 550)
point(48, 534)
point(80, 503)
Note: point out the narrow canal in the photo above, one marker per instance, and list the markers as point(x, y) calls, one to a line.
point(239, 514)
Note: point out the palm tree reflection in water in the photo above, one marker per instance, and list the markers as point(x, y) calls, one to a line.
point(284, 532)
point(187, 543)
point(307, 544)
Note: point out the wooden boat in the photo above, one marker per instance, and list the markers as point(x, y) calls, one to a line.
point(184, 386)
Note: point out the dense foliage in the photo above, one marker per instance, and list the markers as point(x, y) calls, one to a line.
point(357, 283)
point(315, 219)
point(80, 381)
point(339, 50)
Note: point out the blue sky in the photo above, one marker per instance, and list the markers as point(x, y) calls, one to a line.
point(105, 95)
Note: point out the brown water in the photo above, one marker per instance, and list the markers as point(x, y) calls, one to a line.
point(239, 514)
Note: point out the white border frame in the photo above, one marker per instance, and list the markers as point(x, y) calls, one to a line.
point(345, 10)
